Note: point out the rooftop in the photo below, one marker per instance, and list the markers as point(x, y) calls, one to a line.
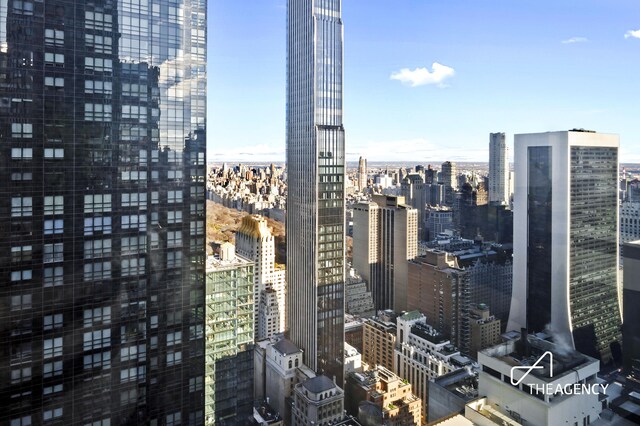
point(319, 384)
point(286, 347)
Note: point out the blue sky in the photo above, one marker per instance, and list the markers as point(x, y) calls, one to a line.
point(513, 66)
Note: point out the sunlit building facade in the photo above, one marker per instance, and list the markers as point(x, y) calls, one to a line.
point(316, 175)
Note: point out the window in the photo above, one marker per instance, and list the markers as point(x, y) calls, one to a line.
point(98, 21)
point(174, 338)
point(133, 245)
point(21, 153)
point(97, 271)
point(174, 238)
point(53, 37)
point(21, 176)
point(49, 415)
point(53, 253)
point(20, 301)
point(134, 175)
point(21, 275)
point(52, 369)
point(21, 206)
point(174, 217)
point(134, 221)
point(133, 266)
point(135, 200)
point(97, 339)
point(55, 59)
point(174, 419)
point(174, 197)
point(97, 225)
point(21, 7)
point(97, 203)
point(133, 352)
point(97, 248)
point(54, 82)
point(20, 375)
point(174, 358)
point(21, 130)
point(174, 174)
point(53, 227)
point(98, 87)
point(21, 254)
point(97, 112)
point(53, 204)
point(22, 421)
point(52, 389)
point(97, 316)
point(196, 332)
point(54, 153)
point(53, 276)
point(195, 384)
point(174, 259)
point(49, 322)
point(52, 348)
point(100, 360)
point(133, 373)
point(98, 43)
point(98, 65)
point(137, 113)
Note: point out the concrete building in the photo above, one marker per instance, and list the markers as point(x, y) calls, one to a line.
point(438, 287)
point(449, 178)
point(362, 174)
point(566, 238)
point(317, 401)
point(385, 236)
point(414, 192)
point(631, 300)
point(283, 359)
point(422, 354)
point(255, 242)
point(485, 329)
point(439, 219)
point(379, 387)
point(449, 393)
point(379, 341)
point(498, 169)
point(564, 390)
point(629, 221)
point(316, 175)
point(353, 331)
point(228, 380)
point(352, 359)
point(359, 300)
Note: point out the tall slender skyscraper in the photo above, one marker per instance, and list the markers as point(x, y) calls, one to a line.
point(498, 169)
point(565, 271)
point(362, 174)
point(102, 204)
point(316, 176)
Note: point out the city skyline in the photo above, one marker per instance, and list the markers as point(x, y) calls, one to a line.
point(533, 67)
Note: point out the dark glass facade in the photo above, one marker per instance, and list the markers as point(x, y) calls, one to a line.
point(593, 254)
point(102, 163)
point(539, 238)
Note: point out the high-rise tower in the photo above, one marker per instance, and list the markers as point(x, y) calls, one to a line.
point(362, 174)
point(316, 176)
point(498, 169)
point(102, 251)
point(565, 271)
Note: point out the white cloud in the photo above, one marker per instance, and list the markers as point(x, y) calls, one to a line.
point(422, 76)
point(632, 33)
point(575, 40)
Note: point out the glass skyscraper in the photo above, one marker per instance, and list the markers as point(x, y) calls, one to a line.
point(316, 175)
point(566, 239)
point(102, 163)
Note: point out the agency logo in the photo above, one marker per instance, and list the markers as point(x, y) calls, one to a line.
point(529, 368)
point(520, 372)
